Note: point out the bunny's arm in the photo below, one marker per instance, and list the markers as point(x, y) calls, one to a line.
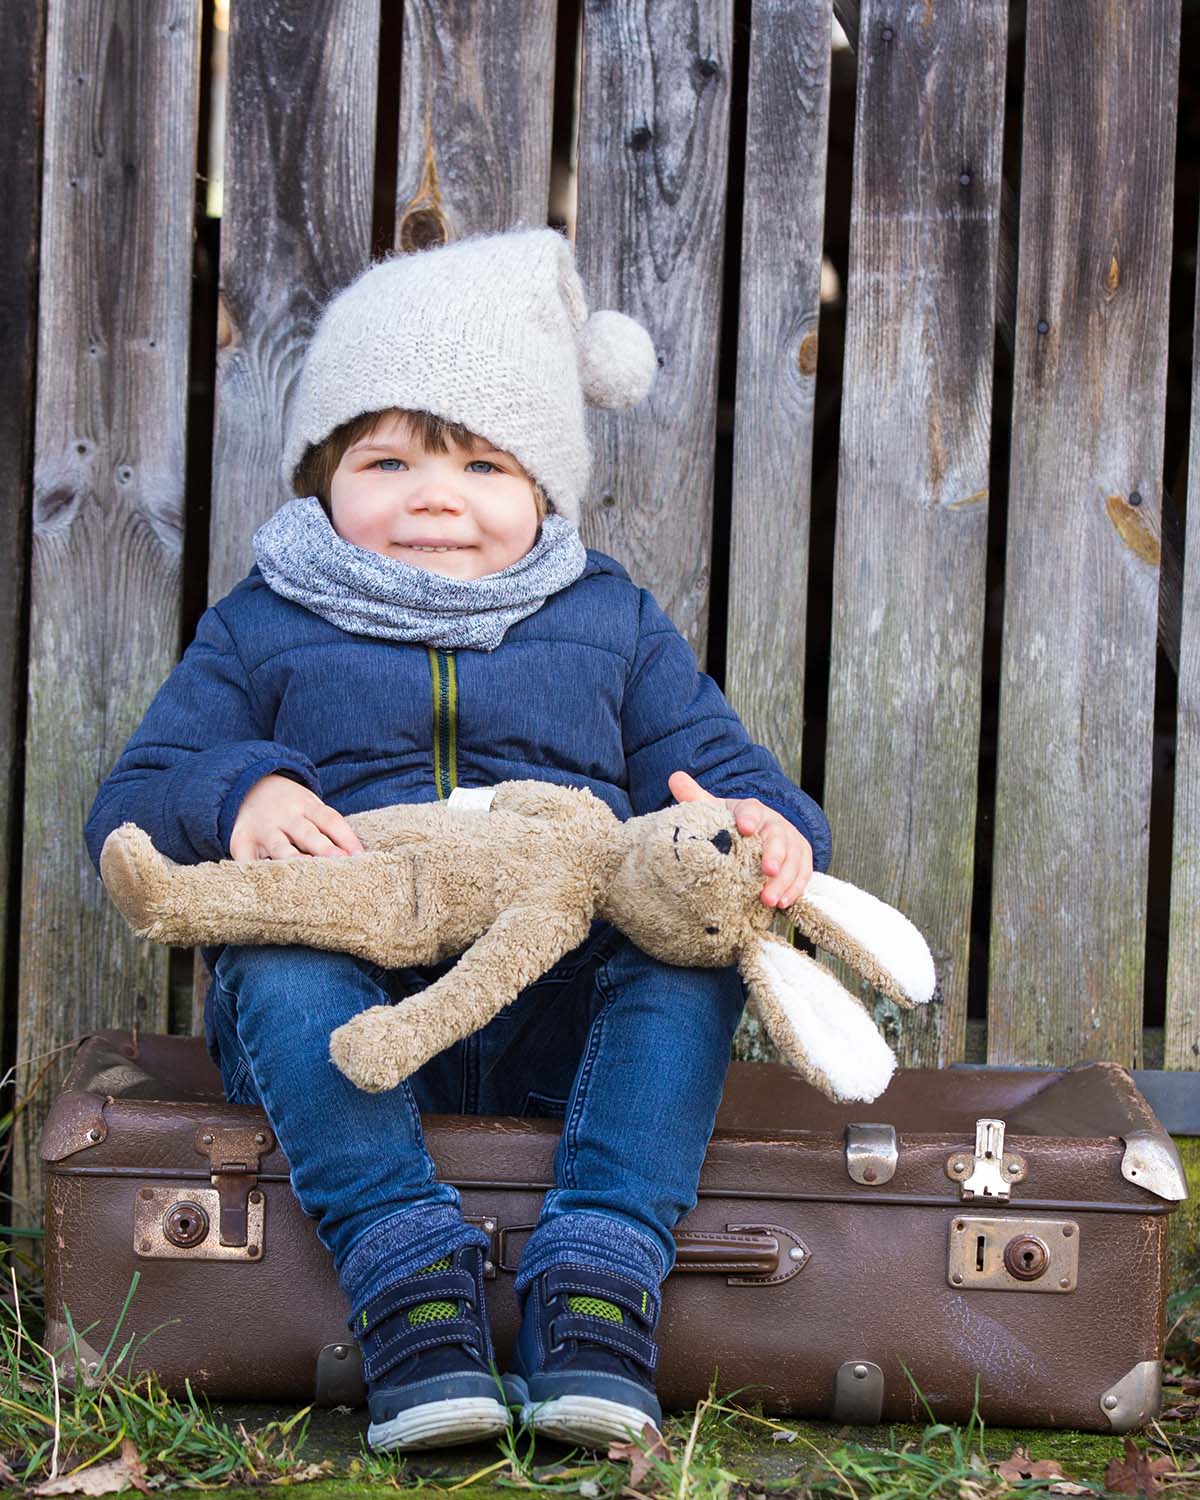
point(387, 1043)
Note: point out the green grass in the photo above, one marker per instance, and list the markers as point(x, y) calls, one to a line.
point(719, 1451)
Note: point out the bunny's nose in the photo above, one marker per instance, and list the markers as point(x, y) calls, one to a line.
point(723, 840)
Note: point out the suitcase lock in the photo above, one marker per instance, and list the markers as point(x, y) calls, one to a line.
point(234, 1153)
point(991, 1172)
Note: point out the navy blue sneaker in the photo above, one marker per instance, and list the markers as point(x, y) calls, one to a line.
point(427, 1358)
point(584, 1360)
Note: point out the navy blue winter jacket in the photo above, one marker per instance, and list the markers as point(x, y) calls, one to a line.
point(597, 689)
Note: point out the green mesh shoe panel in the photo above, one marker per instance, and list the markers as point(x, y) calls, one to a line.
point(433, 1312)
point(596, 1307)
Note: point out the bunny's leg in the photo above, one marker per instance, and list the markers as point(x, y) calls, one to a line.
point(365, 904)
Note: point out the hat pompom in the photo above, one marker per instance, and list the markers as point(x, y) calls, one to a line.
point(616, 358)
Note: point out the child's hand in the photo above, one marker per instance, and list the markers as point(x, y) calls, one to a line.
point(787, 858)
point(280, 819)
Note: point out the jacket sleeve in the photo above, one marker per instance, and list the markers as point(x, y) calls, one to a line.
point(202, 745)
point(675, 718)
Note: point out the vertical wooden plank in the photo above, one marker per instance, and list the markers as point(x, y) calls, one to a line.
point(299, 160)
point(1081, 591)
point(116, 259)
point(779, 309)
point(22, 65)
point(476, 96)
point(653, 153)
point(910, 553)
point(1182, 1042)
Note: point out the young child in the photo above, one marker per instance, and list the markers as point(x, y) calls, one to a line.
point(425, 617)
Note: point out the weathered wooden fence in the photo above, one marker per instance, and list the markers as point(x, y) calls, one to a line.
point(935, 268)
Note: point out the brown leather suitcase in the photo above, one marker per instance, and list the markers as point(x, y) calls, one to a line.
point(1005, 1229)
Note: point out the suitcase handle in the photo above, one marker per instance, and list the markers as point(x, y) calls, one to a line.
point(746, 1254)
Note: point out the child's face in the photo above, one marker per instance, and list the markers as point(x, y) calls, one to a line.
point(394, 496)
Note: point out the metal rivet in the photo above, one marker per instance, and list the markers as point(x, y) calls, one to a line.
point(1064, 1281)
point(958, 1166)
point(252, 1250)
point(93, 1135)
point(1013, 1168)
point(1068, 1231)
point(489, 1226)
point(887, 33)
point(956, 1279)
point(1043, 326)
point(488, 1268)
point(1110, 1403)
point(259, 1138)
point(795, 1253)
point(860, 1372)
point(206, 1139)
point(964, 179)
point(1135, 498)
point(148, 1195)
point(145, 1247)
point(256, 1197)
point(340, 1352)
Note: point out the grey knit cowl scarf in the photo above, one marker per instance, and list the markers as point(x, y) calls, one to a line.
point(303, 558)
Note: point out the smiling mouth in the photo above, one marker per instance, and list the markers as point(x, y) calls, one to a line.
point(439, 547)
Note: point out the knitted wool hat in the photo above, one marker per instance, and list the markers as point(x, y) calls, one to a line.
point(492, 332)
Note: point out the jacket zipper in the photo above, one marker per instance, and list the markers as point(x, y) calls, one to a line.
point(445, 721)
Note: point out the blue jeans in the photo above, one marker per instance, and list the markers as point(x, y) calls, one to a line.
point(631, 1054)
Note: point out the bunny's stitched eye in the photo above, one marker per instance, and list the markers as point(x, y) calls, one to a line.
point(712, 929)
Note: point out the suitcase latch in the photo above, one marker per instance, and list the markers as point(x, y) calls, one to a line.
point(991, 1172)
point(234, 1154)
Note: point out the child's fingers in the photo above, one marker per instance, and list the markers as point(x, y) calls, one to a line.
point(337, 830)
point(685, 788)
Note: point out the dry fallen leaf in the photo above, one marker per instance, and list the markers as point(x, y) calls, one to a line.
point(1137, 1473)
point(783, 1435)
point(640, 1456)
point(1019, 1465)
point(1183, 1412)
point(1069, 1487)
point(305, 1473)
point(100, 1479)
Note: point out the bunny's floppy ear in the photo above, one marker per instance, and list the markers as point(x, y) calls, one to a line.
point(819, 1027)
point(868, 934)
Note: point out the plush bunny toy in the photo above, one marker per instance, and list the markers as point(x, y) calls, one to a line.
point(511, 878)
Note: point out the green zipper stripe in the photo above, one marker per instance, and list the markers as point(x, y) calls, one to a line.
point(445, 715)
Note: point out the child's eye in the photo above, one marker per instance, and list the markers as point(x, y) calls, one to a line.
point(388, 465)
point(481, 466)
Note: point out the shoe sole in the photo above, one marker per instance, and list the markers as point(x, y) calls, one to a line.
point(590, 1420)
point(440, 1424)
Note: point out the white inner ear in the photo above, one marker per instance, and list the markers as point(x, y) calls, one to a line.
point(835, 1034)
point(881, 929)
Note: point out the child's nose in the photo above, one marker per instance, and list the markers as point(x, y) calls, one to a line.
point(436, 495)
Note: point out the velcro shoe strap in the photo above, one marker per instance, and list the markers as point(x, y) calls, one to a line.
point(574, 1281)
point(614, 1336)
point(437, 1286)
point(401, 1342)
